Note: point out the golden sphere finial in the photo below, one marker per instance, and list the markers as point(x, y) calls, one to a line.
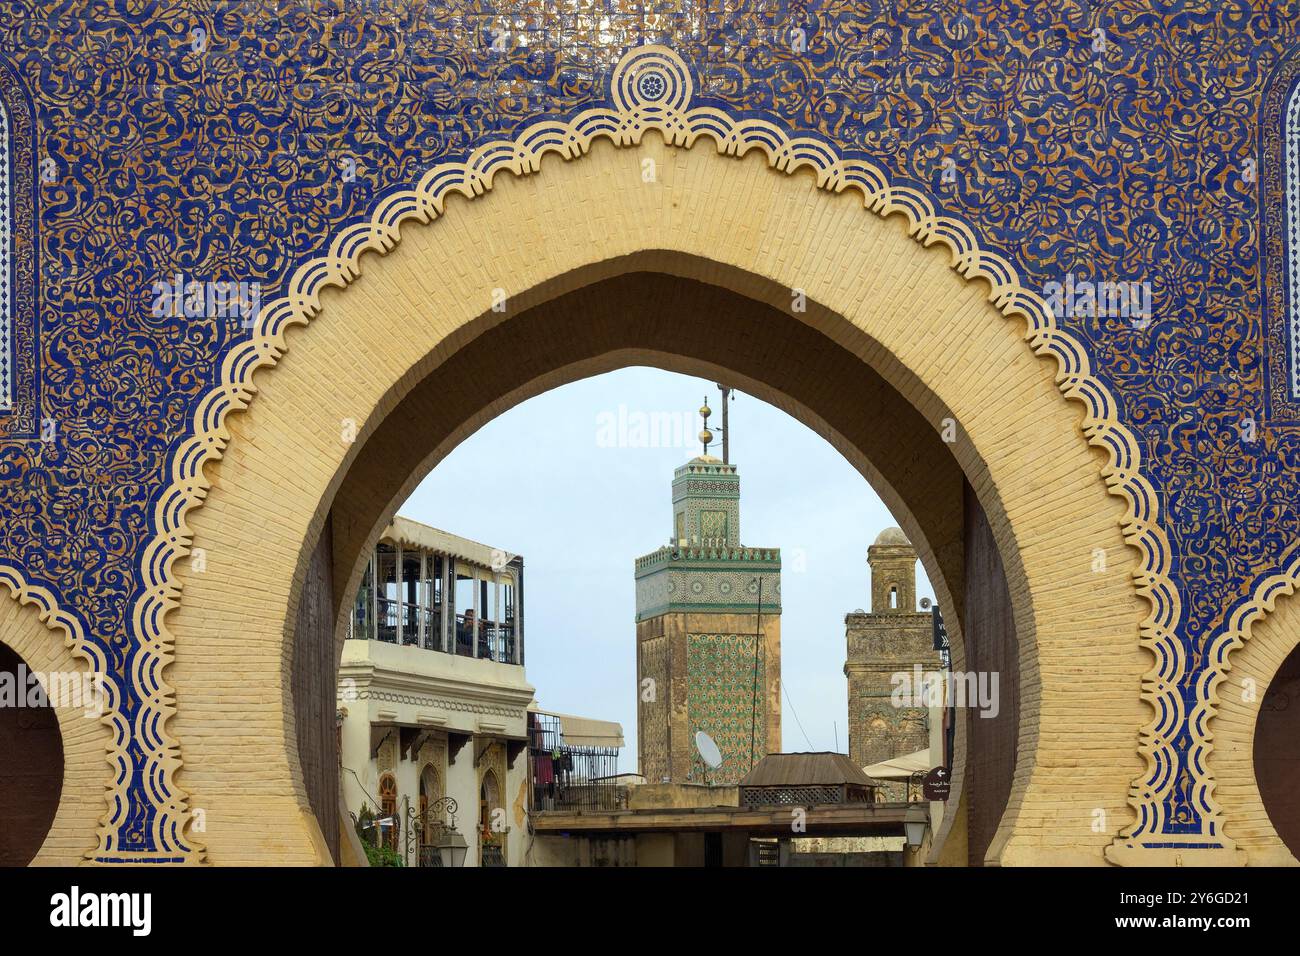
point(706, 436)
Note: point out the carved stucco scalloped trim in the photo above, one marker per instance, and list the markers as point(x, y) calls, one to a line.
point(639, 105)
point(74, 636)
point(1238, 629)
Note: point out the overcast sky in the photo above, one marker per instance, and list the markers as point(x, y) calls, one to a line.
point(569, 481)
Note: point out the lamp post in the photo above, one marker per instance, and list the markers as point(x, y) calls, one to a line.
point(450, 845)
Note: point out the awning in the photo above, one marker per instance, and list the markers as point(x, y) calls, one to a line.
point(585, 731)
point(900, 768)
point(414, 534)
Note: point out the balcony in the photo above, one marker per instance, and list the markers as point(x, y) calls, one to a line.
point(570, 778)
point(410, 595)
point(496, 642)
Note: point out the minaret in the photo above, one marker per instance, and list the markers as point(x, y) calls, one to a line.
point(708, 626)
point(892, 639)
point(892, 560)
point(706, 513)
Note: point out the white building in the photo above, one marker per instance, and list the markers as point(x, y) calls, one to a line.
point(433, 699)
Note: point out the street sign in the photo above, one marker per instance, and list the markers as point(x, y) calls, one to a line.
point(937, 784)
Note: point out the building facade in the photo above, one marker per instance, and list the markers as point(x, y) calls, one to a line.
point(885, 646)
point(708, 635)
point(433, 700)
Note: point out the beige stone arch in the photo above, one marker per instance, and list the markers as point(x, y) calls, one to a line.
point(1265, 641)
point(732, 224)
point(390, 465)
point(45, 642)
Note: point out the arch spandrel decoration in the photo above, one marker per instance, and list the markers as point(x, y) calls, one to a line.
point(652, 89)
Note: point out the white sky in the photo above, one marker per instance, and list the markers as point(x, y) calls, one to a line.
point(555, 480)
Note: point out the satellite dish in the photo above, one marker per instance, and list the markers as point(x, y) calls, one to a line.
point(925, 604)
point(709, 751)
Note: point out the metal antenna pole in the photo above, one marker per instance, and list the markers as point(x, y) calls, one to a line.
point(753, 697)
point(726, 432)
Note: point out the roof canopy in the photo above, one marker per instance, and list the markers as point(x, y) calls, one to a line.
point(414, 534)
point(900, 768)
point(586, 731)
point(807, 769)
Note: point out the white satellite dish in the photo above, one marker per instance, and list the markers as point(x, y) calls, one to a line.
point(709, 751)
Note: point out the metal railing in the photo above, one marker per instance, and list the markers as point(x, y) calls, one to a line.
point(386, 620)
point(496, 642)
point(565, 777)
point(432, 629)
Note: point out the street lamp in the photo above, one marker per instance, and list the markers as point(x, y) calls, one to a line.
point(914, 824)
point(450, 845)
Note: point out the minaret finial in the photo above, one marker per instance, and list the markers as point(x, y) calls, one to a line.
point(706, 436)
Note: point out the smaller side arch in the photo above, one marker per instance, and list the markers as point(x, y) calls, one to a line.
point(388, 807)
point(28, 626)
point(1263, 643)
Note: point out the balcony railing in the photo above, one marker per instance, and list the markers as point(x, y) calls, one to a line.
point(492, 854)
point(569, 778)
point(432, 629)
point(496, 642)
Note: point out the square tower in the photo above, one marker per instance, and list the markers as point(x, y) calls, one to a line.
point(708, 627)
point(892, 638)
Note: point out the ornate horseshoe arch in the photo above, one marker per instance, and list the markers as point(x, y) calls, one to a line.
point(651, 89)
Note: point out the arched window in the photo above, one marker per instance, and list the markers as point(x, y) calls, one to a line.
point(492, 843)
point(487, 799)
point(430, 793)
point(388, 810)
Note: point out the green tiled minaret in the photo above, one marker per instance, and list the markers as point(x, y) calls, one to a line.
point(708, 619)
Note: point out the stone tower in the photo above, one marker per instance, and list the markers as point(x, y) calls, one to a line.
point(894, 637)
point(708, 630)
